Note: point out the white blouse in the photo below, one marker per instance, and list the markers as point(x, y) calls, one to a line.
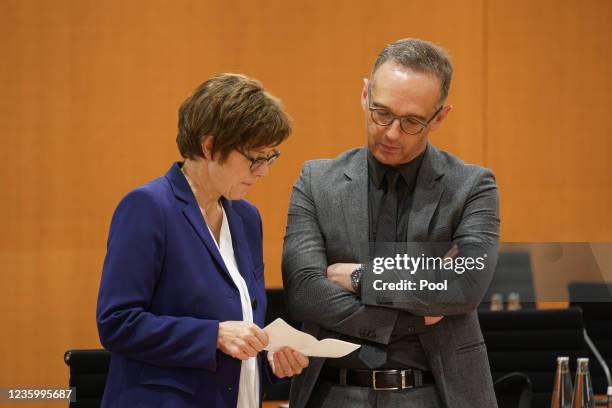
point(248, 389)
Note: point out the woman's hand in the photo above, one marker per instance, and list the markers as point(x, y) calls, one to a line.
point(241, 340)
point(287, 362)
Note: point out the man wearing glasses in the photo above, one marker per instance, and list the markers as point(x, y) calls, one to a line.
point(417, 350)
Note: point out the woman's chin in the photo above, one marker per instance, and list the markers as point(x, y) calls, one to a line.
point(236, 195)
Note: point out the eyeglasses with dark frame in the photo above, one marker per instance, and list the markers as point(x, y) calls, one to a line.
point(409, 124)
point(257, 162)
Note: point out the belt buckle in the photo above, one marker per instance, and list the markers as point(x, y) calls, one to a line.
point(374, 372)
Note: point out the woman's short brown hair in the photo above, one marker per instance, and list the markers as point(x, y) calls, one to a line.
point(236, 111)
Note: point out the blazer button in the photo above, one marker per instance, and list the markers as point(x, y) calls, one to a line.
point(254, 304)
point(410, 329)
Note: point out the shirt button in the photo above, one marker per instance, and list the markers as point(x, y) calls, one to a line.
point(254, 304)
point(410, 329)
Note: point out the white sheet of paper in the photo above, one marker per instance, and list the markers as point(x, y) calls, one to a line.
point(281, 334)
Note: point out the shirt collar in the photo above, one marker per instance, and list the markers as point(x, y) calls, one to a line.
point(408, 170)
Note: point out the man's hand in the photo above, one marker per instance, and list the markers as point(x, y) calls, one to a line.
point(429, 320)
point(340, 273)
point(241, 340)
point(452, 253)
point(287, 362)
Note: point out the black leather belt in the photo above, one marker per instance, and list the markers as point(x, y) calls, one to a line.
point(378, 379)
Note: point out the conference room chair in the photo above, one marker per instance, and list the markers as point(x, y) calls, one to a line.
point(513, 274)
point(529, 342)
point(513, 390)
point(88, 370)
point(595, 301)
point(277, 308)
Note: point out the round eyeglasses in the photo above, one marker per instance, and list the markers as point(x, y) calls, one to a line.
point(409, 124)
point(257, 162)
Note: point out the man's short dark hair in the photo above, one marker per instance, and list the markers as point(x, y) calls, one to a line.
point(420, 56)
point(236, 111)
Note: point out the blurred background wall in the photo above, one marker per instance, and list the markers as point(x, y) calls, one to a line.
point(90, 91)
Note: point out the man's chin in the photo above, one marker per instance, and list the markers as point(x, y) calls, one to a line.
point(388, 158)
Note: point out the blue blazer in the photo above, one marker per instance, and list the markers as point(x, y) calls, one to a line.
point(163, 292)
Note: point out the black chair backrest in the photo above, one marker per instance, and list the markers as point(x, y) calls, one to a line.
point(88, 370)
point(277, 308)
point(512, 274)
point(595, 300)
point(529, 341)
point(513, 390)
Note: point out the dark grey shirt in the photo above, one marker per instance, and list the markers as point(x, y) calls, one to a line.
point(405, 186)
point(406, 351)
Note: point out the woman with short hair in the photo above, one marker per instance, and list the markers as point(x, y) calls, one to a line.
point(182, 296)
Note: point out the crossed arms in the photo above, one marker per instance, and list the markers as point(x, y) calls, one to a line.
point(313, 297)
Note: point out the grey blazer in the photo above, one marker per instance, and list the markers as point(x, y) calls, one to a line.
point(328, 223)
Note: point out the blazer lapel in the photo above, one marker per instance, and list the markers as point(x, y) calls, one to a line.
point(354, 193)
point(426, 197)
point(242, 252)
point(193, 214)
point(195, 218)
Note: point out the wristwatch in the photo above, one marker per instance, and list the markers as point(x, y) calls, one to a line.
point(356, 279)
